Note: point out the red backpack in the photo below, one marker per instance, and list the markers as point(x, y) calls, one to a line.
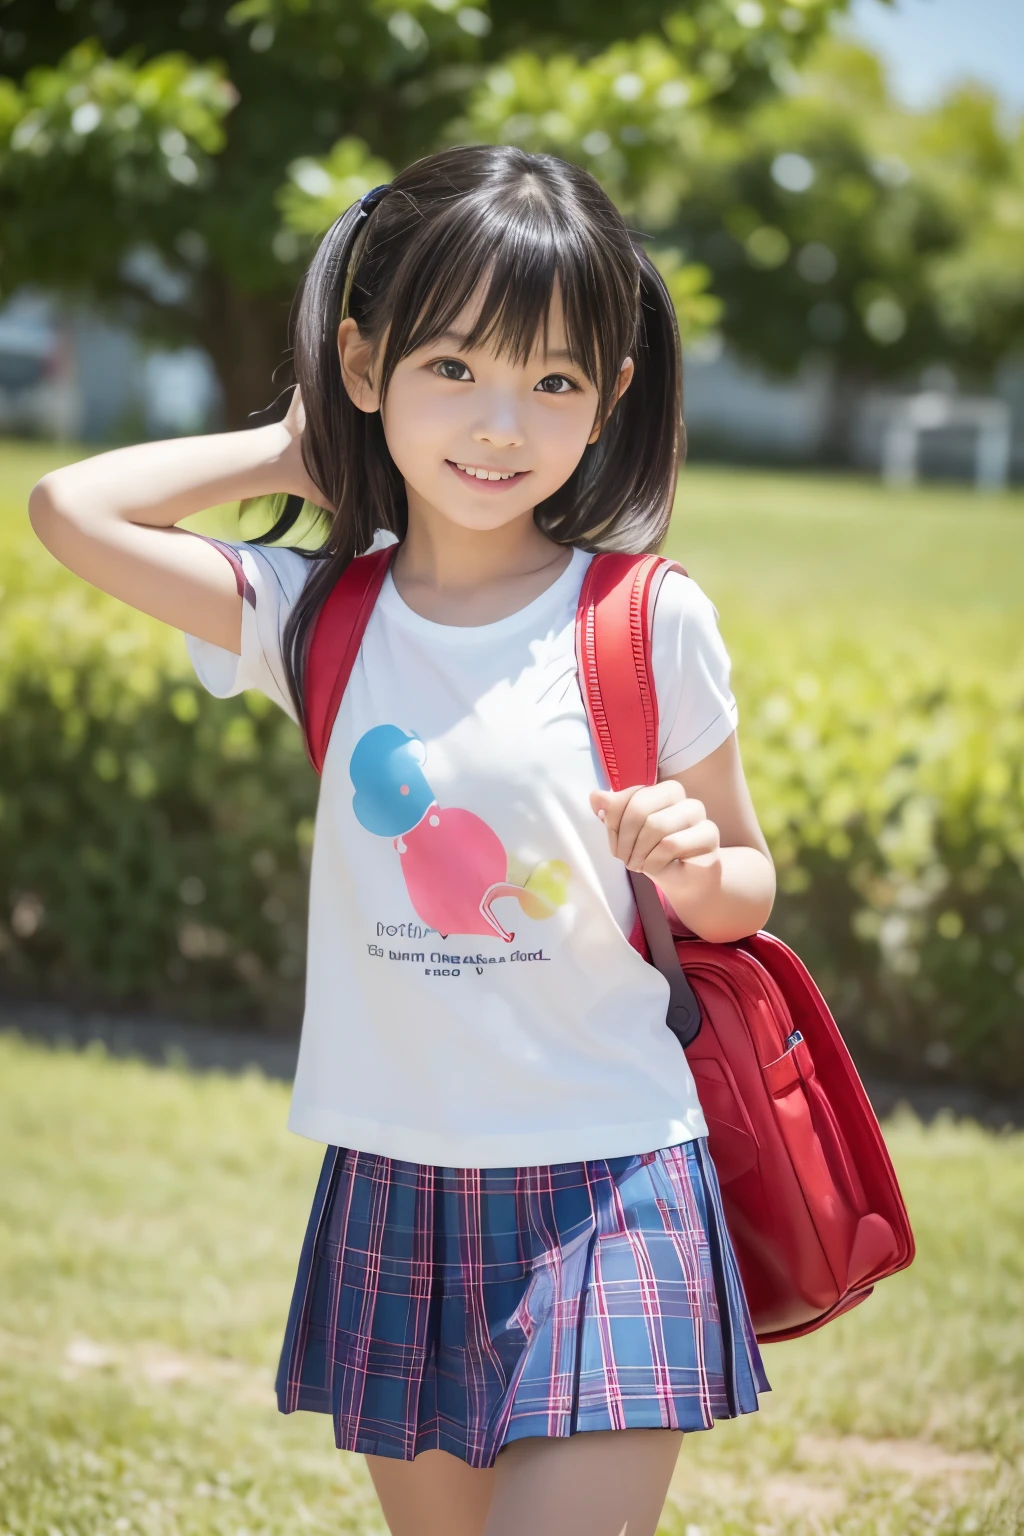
point(811, 1199)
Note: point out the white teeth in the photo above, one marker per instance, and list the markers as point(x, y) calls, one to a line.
point(485, 474)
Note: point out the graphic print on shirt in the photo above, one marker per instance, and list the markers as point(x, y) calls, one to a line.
point(455, 866)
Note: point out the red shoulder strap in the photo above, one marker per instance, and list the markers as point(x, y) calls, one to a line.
point(613, 654)
point(334, 645)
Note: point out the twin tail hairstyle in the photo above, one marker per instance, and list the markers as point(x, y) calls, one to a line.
point(494, 222)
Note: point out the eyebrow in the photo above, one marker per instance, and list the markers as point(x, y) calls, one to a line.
point(461, 340)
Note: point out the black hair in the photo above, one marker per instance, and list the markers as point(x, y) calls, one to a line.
point(511, 224)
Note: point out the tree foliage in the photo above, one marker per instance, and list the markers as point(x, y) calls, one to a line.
point(183, 157)
point(842, 222)
point(218, 140)
point(97, 153)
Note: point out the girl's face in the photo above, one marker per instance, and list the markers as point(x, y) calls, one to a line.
point(476, 436)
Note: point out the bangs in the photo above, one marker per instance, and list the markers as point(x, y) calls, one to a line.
point(510, 253)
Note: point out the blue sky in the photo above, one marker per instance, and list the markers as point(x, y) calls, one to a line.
point(929, 45)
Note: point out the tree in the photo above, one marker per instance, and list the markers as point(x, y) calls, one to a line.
point(977, 286)
point(177, 158)
point(830, 219)
point(846, 224)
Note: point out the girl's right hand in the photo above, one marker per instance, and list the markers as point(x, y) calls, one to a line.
point(293, 469)
point(295, 416)
point(111, 518)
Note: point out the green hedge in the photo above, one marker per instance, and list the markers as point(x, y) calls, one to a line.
point(154, 842)
point(889, 780)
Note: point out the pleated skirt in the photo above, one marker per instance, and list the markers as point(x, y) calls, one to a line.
point(464, 1308)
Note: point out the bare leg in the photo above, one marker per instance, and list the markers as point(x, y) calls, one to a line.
point(599, 1483)
point(435, 1495)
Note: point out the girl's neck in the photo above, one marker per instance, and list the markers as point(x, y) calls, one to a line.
point(465, 576)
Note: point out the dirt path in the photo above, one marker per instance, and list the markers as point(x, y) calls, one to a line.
point(161, 1039)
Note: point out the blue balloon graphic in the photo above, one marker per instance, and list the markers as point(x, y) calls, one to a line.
point(392, 793)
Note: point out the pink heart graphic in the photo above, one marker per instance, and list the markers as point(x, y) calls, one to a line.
point(455, 866)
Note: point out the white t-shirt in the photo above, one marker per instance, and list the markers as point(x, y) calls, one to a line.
point(472, 999)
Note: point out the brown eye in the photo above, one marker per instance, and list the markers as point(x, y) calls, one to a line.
point(451, 368)
point(556, 384)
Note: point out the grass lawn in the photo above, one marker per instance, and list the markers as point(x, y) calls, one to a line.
point(149, 1226)
point(844, 543)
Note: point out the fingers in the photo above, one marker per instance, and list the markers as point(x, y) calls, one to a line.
point(651, 825)
point(651, 814)
point(295, 416)
point(702, 838)
point(630, 806)
point(624, 811)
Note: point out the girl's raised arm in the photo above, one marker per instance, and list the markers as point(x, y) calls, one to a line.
point(111, 518)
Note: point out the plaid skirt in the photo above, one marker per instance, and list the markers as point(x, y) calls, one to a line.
point(464, 1308)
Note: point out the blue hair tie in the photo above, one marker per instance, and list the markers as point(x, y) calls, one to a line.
point(367, 203)
point(369, 200)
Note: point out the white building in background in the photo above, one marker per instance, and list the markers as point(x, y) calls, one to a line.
point(903, 423)
point(38, 392)
point(735, 412)
point(70, 375)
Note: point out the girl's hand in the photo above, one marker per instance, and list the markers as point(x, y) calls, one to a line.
point(293, 472)
point(652, 826)
point(716, 874)
point(295, 417)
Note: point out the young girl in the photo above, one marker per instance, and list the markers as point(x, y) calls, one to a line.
point(517, 1290)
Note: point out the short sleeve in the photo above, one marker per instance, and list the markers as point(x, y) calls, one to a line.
point(270, 581)
point(691, 668)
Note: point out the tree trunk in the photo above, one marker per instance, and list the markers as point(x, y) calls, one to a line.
point(846, 391)
point(246, 336)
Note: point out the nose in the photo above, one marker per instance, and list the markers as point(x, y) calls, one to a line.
point(499, 422)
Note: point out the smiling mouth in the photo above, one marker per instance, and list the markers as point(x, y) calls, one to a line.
point(492, 479)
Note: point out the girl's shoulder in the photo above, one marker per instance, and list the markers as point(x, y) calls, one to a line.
point(270, 579)
point(685, 628)
point(281, 570)
point(682, 600)
point(266, 575)
point(692, 674)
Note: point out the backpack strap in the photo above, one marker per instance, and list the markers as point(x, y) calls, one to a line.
point(613, 652)
point(334, 645)
point(614, 623)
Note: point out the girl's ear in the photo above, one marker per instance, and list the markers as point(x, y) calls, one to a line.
point(622, 383)
point(354, 357)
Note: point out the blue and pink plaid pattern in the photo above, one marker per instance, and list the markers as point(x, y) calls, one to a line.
point(463, 1308)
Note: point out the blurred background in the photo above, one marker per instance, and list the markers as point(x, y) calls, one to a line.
point(834, 191)
point(835, 194)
